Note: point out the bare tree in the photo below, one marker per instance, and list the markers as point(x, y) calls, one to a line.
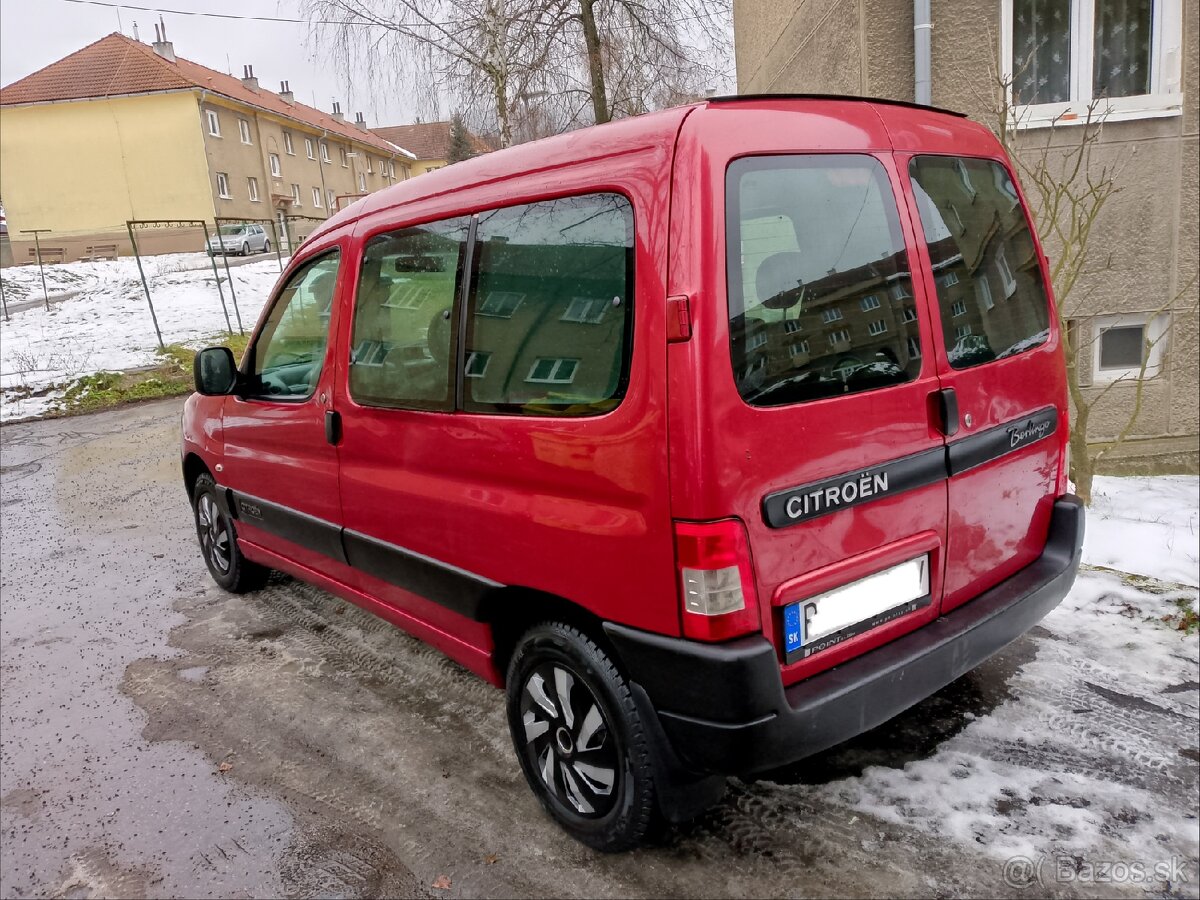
point(544, 65)
point(1069, 186)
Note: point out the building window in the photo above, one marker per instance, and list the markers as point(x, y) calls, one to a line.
point(791, 326)
point(370, 171)
point(391, 169)
point(800, 348)
point(244, 130)
point(274, 160)
point(950, 278)
point(308, 148)
point(755, 341)
point(962, 331)
point(296, 194)
point(317, 198)
point(252, 188)
point(287, 144)
point(910, 314)
point(362, 183)
point(325, 152)
point(587, 310)
point(832, 314)
point(223, 186)
point(477, 363)
point(869, 303)
point(331, 197)
point(841, 336)
point(958, 308)
point(500, 304)
point(1123, 343)
point(877, 328)
point(345, 158)
point(552, 370)
point(1061, 55)
point(214, 124)
point(983, 294)
point(900, 291)
point(914, 348)
point(1005, 272)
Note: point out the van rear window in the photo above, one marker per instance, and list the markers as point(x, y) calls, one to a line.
point(820, 288)
point(550, 308)
point(985, 264)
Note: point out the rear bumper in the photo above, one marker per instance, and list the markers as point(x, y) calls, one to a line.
point(724, 709)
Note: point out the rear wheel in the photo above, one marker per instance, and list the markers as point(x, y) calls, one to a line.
point(579, 739)
point(266, 247)
point(218, 542)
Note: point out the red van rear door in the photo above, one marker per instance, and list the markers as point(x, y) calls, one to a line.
point(998, 359)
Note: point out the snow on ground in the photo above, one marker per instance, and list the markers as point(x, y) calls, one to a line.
point(1044, 775)
point(107, 325)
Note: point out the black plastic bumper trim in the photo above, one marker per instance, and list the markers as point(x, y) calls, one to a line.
point(724, 708)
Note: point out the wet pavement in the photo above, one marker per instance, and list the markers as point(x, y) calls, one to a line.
point(163, 738)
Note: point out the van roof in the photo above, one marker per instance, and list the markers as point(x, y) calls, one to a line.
point(613, 138)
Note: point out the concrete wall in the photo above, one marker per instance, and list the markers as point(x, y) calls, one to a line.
point(1145, 247)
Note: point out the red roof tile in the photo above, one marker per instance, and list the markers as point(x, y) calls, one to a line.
point(426, 140)
point(117, 65)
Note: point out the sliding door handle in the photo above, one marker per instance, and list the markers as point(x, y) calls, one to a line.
point(333, 426)
point(947, 408)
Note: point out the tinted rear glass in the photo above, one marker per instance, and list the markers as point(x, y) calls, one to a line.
point(820, 291)
point(985, 265)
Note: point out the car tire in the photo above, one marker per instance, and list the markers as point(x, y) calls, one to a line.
point(245, 249)
point(218, 542)
point(579, 738)
point(266, 246)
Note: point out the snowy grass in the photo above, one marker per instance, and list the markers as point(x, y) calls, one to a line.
point(107, 326)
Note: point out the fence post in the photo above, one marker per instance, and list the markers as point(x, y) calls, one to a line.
point(38, 250)
point(229, 275)
point(145, 285)
point(212, 258)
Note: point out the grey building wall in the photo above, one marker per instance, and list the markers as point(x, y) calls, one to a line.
point(1146, 246)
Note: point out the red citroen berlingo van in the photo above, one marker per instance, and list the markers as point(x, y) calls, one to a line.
point(714, 436)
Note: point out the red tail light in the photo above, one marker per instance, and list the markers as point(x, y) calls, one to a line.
point(716, 586)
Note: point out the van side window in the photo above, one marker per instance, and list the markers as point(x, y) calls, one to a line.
point(550, 309)
point(819, 279)
point(985, 264)
point(285, 362)
point(402, 341)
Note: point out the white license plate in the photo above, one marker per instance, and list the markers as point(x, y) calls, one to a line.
point(823, 621)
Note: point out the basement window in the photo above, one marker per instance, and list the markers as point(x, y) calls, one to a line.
point(1123, 343)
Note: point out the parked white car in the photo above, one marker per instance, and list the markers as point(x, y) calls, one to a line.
point(240, 239)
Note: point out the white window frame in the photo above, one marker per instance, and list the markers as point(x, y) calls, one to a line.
point(362, 183)
point(317, 201)
point(1004, 270)
point(500, 299)
point(869, 302)
point(791, 326)
point(876, 328)
point(914, 347)
point(244, 131)
point(325, 157)
point(553, 377)
point(962, 331)
point(474, 356)
point(345, 158)
point(831, 314)
point(1166, 58)
point(276, 170)
point(909, 314)
point(756, 341)
point(296, 195)
point(799, 348)
point(309, 149)
point(288, 147)
point(252, 188)
point(949, 279)
point(223, 186)
point(585, 310)
point(958, 308)
point(1155, 330)
point(983, 293)
point(900, 291)
point(214, 122)
point(841, 336)
point(331, 199)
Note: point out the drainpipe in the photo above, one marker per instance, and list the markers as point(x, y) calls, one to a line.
point(922, 26)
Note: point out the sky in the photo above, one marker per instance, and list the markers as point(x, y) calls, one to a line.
point(35, 33)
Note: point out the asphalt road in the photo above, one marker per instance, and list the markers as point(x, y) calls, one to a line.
point(161, 737)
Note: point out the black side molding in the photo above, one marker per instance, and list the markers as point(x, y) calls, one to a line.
point(299, 528)
point(969, 452)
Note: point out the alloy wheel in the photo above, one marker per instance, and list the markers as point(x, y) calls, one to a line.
point(214, 533)
point(568, 742)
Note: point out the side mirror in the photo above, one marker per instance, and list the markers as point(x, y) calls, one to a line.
point(215, 371)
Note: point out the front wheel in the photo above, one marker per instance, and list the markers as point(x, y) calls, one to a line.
point(266, 247)
point(245, 249)
point(579, 739)
point(218, 542)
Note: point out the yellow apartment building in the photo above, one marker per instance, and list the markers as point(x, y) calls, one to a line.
point(123, 130)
